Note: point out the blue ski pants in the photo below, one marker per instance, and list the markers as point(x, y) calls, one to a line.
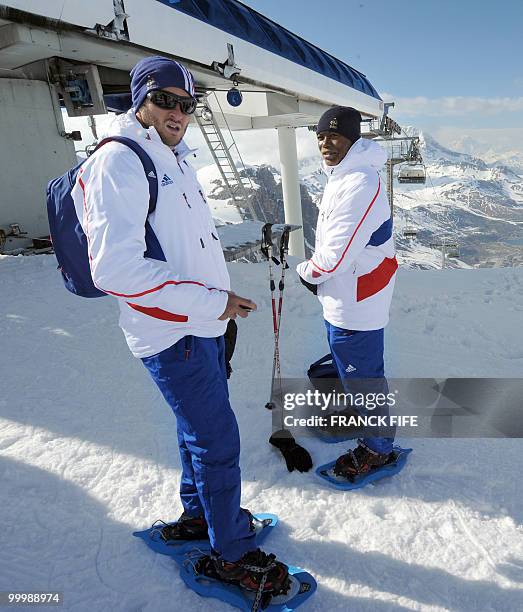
point(192, 378)
point(358, 356)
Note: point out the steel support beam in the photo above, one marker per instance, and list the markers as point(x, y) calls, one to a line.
point(291, 188)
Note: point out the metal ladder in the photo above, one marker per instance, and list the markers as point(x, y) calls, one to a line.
point(235, 184)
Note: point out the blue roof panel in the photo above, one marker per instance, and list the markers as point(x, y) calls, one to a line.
point(244, 22)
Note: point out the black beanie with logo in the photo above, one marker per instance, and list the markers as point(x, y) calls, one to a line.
point(343, 120)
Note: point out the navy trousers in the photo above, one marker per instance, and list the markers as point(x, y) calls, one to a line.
point(358, 355)
point(192, 378)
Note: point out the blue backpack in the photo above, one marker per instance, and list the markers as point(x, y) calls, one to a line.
point(322, 374)
point(67, 235)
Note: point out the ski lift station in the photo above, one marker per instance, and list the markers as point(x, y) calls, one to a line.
point(250, 72)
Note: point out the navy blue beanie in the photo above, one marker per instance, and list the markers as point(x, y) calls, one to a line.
point(157, 72)
point(344, 120)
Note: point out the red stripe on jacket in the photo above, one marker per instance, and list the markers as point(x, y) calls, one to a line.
point(82, 185)
point(159, 313)
point(354, 233)
point(377, 279)
point(170, 282)
point(133, 295)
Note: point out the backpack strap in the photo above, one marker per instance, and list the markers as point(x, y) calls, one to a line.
point(147, 163)
point(153, 248)
point(323, 360)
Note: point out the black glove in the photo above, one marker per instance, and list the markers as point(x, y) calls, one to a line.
point(312, 288)
point(230, 343)
point(296, 457)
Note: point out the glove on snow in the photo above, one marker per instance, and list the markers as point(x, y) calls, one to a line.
point(296, 457)
point(312, 288)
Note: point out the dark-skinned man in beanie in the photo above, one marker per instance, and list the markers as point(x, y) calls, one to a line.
point(352, 270)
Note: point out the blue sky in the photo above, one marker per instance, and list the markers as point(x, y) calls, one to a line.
point(454, 67)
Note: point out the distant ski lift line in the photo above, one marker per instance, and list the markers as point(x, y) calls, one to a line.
point(448, 248)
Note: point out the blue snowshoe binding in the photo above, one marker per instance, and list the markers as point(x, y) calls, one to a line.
point(188, 532)
point(362, 466)
point(256, 582)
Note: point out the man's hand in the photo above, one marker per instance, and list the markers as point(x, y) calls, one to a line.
point(237, 306)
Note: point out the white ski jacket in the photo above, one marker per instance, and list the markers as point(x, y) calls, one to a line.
point(160, 302)
point(354, 263)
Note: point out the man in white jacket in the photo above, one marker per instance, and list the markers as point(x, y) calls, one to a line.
point(174, 306)
point(353, 268)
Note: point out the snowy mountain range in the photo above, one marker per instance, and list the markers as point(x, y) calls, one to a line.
point(466, 201)
point(511, 159)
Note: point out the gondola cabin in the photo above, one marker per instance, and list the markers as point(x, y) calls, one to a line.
point(412, 173)
point(452, 250)
point(410, 232)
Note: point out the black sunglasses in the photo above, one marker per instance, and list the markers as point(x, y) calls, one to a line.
point(168, 100)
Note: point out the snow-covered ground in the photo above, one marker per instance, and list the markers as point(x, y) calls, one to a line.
point(88, 453)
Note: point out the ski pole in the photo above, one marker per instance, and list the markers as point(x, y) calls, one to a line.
point(277, 313)
point(267, 250)
point(284, 441)
point(284, 249)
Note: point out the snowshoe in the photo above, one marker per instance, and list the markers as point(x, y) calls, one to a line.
point(256, 582)
point(361, 461)
point(256, 571)
point(360, 467)
point(168, 538)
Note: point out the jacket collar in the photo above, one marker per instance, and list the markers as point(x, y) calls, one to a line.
point(182, 150)
point(345, 164)
point(128, 125)
point(364, 153)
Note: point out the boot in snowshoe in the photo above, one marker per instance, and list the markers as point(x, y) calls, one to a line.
point(185, 528)
point(256, 572)
point(361, 461)
point(191, 528)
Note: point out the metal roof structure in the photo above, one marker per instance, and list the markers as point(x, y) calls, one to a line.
point(294, 80)
point(244, 22)
point(84, 51)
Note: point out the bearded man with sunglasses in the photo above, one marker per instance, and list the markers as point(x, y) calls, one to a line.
point(175, 300)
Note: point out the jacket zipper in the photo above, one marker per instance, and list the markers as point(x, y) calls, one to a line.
point(186, 200)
